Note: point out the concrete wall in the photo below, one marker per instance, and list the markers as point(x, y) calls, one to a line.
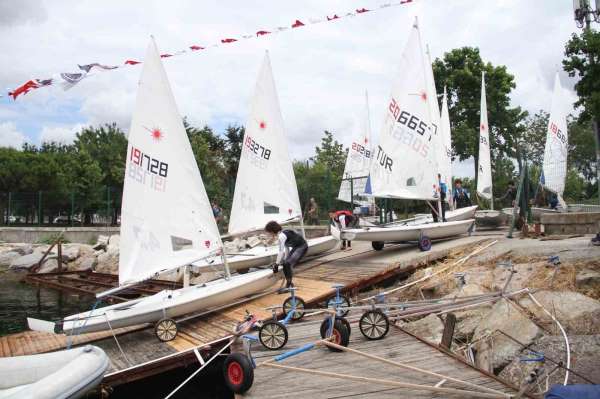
point(84, 235)
point(571, 223)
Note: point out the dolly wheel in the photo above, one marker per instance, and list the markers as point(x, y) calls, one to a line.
point(377, 245)
point(343, 301)
point(288, 305)
point(340, 333)
point(424, 243)
point(166, 330)
point(374, 324)
point(238, 372)
point(273, 335)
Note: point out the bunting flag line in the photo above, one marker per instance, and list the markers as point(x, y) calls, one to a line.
point(68, 80)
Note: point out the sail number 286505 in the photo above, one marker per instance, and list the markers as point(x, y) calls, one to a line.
point(407, 119)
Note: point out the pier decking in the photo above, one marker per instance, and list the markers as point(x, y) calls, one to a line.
point(145, 355)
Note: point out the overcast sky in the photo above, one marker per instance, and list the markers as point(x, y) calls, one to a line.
point(321, 71)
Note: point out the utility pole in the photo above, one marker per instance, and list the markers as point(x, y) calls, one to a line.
point(584, 15)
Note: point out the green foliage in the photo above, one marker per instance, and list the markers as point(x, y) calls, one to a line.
point(582, 155)
point(533, 140)
point(578, 51)
point(331, 154)
point(575, 187)
point(52, 238)
point(460, 71)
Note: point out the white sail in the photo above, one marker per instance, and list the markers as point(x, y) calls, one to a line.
point(265, 188)
point(166, 220)
point(404, 163)
point(358, 161)
point(484, 176)
point(555, 153)
point(446, 148)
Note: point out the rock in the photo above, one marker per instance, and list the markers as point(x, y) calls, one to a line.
point(587, 278)
point(107, 264)
point(26, 262)
point(519, 280)
point(84, 264)
point(6, 258)
point(101, 243)
point(24, 249)
point(113, 246)
point(70, 252)
point(506, 318)
point(50, 266)
point(468, 320)
point(114, 240)
point(429, 328)
point(577, 313)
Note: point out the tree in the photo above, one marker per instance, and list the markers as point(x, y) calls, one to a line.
point(460, 71)
point(533, 141)
point(331, 154)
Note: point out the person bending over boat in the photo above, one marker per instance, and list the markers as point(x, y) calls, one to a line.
point(292, 248)
point(343, 219)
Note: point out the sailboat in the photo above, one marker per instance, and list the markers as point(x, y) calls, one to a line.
point(358, 163)
point(167, 221)
point(489, 217)
point(554, 167)
point(265, 188)
point(405, 163)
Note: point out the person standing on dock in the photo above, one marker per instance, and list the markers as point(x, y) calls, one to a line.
point(292, 248)
point(441, 191)
point(344, 219)
point(460, 196)
point(313, 212)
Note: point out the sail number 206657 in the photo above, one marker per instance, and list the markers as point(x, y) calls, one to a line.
point(405, 118)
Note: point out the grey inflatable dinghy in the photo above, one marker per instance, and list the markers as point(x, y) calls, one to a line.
point(63, 374)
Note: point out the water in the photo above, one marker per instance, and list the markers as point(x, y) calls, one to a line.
point(19, 300)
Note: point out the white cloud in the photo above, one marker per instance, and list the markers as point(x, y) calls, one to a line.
point(10, 136)
point(60, 134)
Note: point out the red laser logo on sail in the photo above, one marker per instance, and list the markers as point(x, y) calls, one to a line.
point(482, 127)
point(262, 125)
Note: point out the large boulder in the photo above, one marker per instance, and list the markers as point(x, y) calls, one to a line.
point(577, 313)
point(520, 279)
point(26, 262)
point(429, 328)
point(101, 243)
point(50, 266)
point(84, 263)
point(107, 264)
point(6, 258)
point(504, 317)
point(468, 320)
point(70, 252)
point(23, 249)
point(587, 278)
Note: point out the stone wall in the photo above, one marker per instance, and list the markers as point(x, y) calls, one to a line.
point(84, 235)
point(571, 223)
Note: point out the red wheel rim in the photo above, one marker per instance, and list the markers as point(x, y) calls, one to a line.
point(235, 373)
point(337, 337)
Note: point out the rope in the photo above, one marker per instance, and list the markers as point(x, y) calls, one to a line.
point(77, 331)
point(117, 341)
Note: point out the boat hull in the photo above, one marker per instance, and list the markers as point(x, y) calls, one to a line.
point(406, 232)
point(261, 256)
point(465, 213)
point(63, 374)
point(173, 303)
point(490, 218)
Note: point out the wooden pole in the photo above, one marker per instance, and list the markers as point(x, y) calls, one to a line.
point(413, 368)
point(59, 259)
point(460, 392)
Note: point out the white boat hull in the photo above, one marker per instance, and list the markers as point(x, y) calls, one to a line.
point(261, 256)
point(173, 303)
point(63, 374)
point(465, 213)
point(405, 232)
point(490, 218)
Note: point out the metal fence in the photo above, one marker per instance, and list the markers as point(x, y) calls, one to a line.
point(98, 207)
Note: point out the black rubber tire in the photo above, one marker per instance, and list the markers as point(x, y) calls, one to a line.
point(374, 324)
point(340, 331)
point(424, 243)
point(273, 335)
point(344, 301)
point(243, 271)
point(166, 329)
point(377, 245)
point(300, 306)
point(238, 372)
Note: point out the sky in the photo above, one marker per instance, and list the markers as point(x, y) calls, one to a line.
point(321, 71)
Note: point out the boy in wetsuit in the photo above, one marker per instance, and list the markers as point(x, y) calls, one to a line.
point(344, 219)
point(292, 248)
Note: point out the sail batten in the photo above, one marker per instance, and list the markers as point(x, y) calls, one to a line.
point(404, 163)
point(166, 221)
point(265, 188)
point(484, 176)
point(556, 149)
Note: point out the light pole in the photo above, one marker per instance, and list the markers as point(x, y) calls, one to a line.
point(583, 16)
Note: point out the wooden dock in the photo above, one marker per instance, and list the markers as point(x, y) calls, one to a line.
point(399, 346)
point(145, 355)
